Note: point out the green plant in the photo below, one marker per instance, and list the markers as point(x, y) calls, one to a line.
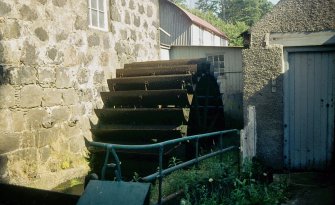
point(253, 187)
point(220, 182)
point(136, 177)
point(189, 179)
point(174, 161)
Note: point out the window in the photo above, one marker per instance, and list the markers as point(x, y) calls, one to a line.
point(97, 14)
point(217, 62)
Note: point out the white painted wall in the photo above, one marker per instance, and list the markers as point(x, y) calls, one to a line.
point(201, 37)
point(217, 40)
point(195, 40)
point(207, 38)
point(164, 54)
point(224, 42)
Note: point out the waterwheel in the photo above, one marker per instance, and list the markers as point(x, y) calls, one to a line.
point(154, 101)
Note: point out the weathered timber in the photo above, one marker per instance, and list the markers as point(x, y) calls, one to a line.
point(151, 82)
point(150, 98)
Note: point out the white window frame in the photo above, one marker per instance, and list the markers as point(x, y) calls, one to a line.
point(103, 10)
point(217, 62)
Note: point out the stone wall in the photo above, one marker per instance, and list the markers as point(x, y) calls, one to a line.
point(52, 68)
point(263, 66)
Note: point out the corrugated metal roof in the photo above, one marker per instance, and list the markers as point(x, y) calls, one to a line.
point(202, 23)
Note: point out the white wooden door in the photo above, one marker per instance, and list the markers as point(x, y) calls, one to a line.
point(309, 102)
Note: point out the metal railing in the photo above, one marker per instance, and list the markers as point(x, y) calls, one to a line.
point(111, 149)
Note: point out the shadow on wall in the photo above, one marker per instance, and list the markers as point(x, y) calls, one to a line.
point(4, 79)
point(233, 115)
point(268, 102)
point(3, 158)
point(4, 74)
point(330, 41)
point(3, 165)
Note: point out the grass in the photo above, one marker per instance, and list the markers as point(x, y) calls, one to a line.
point(209, 170)
point(221, 182)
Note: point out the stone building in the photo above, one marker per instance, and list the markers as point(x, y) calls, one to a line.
point(289, 81)
point(55, 57)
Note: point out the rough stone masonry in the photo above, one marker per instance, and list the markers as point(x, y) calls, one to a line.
point(52, 68)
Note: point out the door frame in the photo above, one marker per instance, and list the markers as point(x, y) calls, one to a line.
point(286, 87)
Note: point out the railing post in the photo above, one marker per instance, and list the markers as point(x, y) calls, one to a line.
point(239, 156)
point(118, 173)
point(221, 147)
point(103, 171)
point(197, 153)
point(160, 177)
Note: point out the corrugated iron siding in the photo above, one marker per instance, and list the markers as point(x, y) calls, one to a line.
point(176, 24)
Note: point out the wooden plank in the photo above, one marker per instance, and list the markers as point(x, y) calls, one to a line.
point(291, 76)
point(332, 111)
point(304, 108)
point(310, 71)
point(332, 114)
point(164, 63)
point(135, 134)
point(330, 107)
point(168, 70)
point(303, 38)
point(317, 112)
point(140, 98)
point(142, 116)
point(297, 108)
point(286, 87)
point(295, 117)
point(323, 121)
point(151, 82)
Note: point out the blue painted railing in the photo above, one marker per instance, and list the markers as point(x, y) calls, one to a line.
point(111, 149)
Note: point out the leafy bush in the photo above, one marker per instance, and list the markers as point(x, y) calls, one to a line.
point(221, 182)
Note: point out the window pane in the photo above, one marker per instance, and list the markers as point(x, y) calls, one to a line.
point(101, 20)
point(221, 57)
point(222, 65)
point(94, 4)
point(101, 5)
point(94, 18)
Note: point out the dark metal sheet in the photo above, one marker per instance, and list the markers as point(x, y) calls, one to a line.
point(115, 193)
